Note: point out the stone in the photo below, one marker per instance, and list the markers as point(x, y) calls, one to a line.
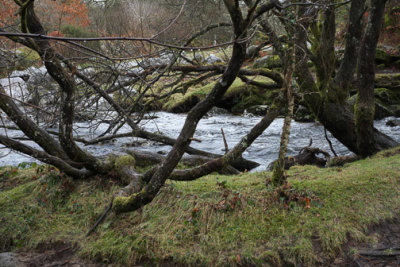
point(198, 57)
point(268, 62)
point(211, 59)
point(389, 97)
point(217, 111)
point(302, 114)
point(258, 110)
point(251, 51)
point(393, 123)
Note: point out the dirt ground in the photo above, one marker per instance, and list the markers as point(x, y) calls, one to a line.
point(384, 252)
point(54, 255)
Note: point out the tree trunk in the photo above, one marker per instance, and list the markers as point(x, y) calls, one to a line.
point(278, 176)
point(327, 102)
point(365, 106)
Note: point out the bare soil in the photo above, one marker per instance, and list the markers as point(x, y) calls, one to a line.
point(384, 252)
point(55, 255)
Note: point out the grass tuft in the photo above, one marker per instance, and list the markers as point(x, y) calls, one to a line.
point(215, 221)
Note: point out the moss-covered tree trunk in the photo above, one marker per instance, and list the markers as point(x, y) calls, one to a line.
point(278, 176)
point(365, 106)
point(326, 94)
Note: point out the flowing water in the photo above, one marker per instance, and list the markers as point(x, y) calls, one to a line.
point(263, 150)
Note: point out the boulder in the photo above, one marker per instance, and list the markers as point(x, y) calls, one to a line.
point(386, 104)
point(268, 62)
point(393, 123)
point(388, 81)
point(385, 59)
point(387, 96)
point(212, 59)
point(251, 51)
point(258, 110)
point(217, 111)
point(302, 114)
point(198, 57)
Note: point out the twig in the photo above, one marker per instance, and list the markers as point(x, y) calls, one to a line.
point(329, 142)
point(102, 217)
point(225, 143)
point(27, 104)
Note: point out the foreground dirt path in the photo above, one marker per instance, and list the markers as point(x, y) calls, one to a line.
point(384, 253)
point(48, 255)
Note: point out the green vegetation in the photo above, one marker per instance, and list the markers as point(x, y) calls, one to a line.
point(216, 220)
point(239, 96)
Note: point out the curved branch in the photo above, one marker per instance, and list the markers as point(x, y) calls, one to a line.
point(44, 157)
point(31, 129)
point(235, 152)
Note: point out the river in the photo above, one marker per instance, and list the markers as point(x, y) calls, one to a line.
point(264, 149)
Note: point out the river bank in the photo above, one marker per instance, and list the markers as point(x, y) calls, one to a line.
point(322, 217)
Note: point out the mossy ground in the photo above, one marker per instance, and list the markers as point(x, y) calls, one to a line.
point(216, 220)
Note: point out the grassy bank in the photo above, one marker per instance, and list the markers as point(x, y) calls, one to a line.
point(216, 220)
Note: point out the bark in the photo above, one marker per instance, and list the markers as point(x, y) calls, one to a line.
point(306, 156)
point(345, 74)
point(329, 108)
point(30, 129)
point(365, 106)
point(278, 176)
point(147, 158)
point(237, 150)
point(44, 157)
point(135, 201)
point(31, 23)
point(324, 49)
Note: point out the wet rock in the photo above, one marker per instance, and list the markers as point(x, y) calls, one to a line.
point(217, 111)
point(388, 81)
point(393, 123)
point(385, 59)
point(268, 62)
point(9, 259)
point(211, 59)
point(382, 109)
point(251, 51)
point(258, 110)
point(302, 114)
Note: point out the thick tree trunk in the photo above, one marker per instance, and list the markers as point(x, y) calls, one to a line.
point(327, 103)
point(365, 106)
point(30, 22)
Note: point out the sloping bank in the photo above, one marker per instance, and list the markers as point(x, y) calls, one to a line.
point(242, 96)
point(214, 221)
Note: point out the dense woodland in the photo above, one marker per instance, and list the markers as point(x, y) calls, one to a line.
point(117, 61)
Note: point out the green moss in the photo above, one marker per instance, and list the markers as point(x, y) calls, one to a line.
point(120, 203)
point(381, 57)
point(268, 62)
point(124, 161)
point(243, 95)
point(387, 96)
point(213, 220)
